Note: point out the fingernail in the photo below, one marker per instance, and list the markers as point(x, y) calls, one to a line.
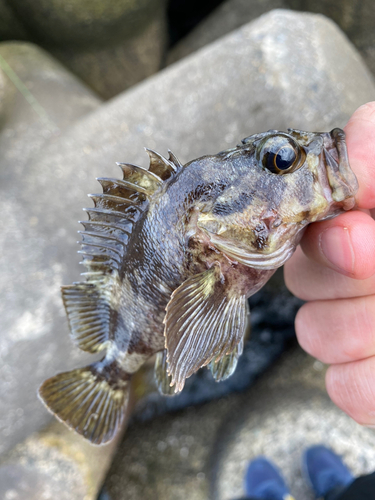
point(337, 248)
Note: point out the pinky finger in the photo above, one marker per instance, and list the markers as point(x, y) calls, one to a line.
point(351, 386)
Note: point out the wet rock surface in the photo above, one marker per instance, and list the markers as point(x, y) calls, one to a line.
point(202, 452)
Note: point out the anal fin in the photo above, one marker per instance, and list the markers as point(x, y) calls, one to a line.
point(90, 400)
point(162, 378)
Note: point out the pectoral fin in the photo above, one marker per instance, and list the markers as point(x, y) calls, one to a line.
point(205, 320)
point(161, 376)
point(226, 366)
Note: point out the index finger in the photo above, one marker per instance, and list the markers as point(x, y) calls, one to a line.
point(360, 140)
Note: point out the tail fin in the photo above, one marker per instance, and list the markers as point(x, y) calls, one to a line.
point(91, 400)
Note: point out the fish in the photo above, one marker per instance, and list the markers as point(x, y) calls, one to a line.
point(172, 253)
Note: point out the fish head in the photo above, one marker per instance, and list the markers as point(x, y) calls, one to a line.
point(279, 183)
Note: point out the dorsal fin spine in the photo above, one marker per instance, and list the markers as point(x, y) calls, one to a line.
point(100, 199)
point(104, 224)
point(123, 183)
point(100, 235)
point(98, 244)
point(110, 260)
point(105, 211)
point(173, 159)
point(140, 170)
point(92, 305)
point(153, 154)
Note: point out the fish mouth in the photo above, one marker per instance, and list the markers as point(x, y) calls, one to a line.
point(255, 260)
point(339, 182)
point(341, 178)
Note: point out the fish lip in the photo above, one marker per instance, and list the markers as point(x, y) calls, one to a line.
point(336, 177)
point(340, 177)
point(256, 260)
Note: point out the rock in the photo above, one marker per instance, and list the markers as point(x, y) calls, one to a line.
point(10, 27)
point(38, 100)
point(110, 45)
point(357, 20)
point(230, 15)
point(78, 23)
point(111, 69)
point(54, 464)
point(239, 84)
point(202, 452)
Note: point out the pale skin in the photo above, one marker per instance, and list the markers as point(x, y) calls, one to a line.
point(334, 270)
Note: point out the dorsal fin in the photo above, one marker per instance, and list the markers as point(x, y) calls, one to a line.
point(92, 306)
point(173, 159)
point(160, 166)
point(140, 177)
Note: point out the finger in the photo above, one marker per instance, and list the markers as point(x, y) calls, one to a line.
point(360, 140)
point(345, 244)
point(309, 280)
point(338, 331)
point(351, 386)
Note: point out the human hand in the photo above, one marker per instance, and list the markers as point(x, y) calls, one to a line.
point(335, 271)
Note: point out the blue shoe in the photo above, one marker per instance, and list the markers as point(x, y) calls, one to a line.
point(264, 481)
point(325, 470)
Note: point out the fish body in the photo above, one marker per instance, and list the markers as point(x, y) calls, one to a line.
point(172, 255)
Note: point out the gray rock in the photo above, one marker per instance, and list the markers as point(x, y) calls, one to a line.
point(230, 15)
point(54, 464)
point(78, 23)
point(38, 100)
point(10, 27)
point(356, 19)
point(109, 69)
point(203, 104)
point(110, 45)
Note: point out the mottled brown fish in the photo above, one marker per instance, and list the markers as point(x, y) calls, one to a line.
point(174, 252)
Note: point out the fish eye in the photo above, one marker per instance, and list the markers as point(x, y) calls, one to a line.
point(280, 154)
